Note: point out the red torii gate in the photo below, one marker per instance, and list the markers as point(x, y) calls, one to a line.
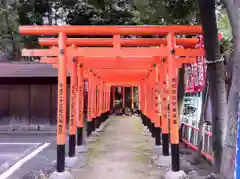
point(127, 42)
point(167, 56)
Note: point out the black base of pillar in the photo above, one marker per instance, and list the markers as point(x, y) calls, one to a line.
point(160, 136)
point(107, 115)
point(157, 136)
point(143, 119)
point(98, 122)
point(149, 124)
point(146, 122)
point(175, 157)
point(79, 136)
point(139, 113)
point(60, 158)
point(123, 111)
point(132, 111)
point(89, 128)
point(72, 145)
point(152, 129)
point(165, 144)
point(101, 118)
point(94, 124)
point(141, 116)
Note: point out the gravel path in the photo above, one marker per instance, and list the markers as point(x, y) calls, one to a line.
point(122, 151)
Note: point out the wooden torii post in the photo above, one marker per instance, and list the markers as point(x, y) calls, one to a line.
point(170, 52)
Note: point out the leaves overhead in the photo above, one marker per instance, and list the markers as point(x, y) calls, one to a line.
point(94, 12)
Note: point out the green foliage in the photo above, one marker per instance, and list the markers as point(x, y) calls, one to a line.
point(74, 12)
point(165, 12)
point(32, 12)
point(224, 28)
point(92, 12)
point(102, 13)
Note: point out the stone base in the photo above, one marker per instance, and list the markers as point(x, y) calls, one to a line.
point(62, 175)
point(91, 139)
point(146, 132)
point(163, 161)
point(81, 149)
point(100, 129)
point(157, 150)
point(175, 175)
point(145, 129)
point(95, 133)
point(70, 161)
point(102, 126)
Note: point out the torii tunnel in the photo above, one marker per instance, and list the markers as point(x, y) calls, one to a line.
point(151, 64)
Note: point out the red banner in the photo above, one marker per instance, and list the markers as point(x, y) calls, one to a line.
point(196, 74)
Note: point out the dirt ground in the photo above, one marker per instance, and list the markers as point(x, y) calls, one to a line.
point(122, 151)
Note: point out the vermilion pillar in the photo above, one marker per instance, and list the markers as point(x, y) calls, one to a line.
point(156, 106)
point(100, 114)
point(174, 127)
point(98, 103)
point(62, 97)
point(89, 122)
point(72, 120)
point(94, 90)
point(108, 97)
point(164, 119)
point(80, 107)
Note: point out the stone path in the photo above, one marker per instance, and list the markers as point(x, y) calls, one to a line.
point(122, 151)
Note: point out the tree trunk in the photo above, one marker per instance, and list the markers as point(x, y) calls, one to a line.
point(180, 97)
point(181, 90)
point(230, 132)
point(216, 78)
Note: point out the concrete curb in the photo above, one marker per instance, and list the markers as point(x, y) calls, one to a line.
point(28, 132)
point(70, 161)
point(28, 129)
point(81, 149)
point(19, 131)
